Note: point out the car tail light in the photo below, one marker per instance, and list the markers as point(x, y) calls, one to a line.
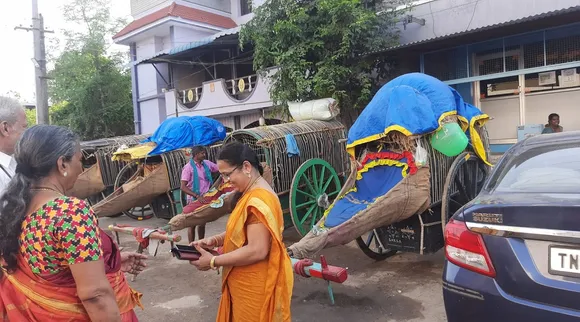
point(466, 249)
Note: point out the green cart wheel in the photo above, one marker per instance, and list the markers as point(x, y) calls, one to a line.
point(314, 186)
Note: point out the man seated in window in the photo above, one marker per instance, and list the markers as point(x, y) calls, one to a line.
point(553, 125)
point(196, 180)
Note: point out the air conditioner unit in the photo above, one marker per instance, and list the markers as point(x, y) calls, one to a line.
point(569, 78)
point(546, 79)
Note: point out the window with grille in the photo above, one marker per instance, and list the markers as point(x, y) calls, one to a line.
point(520, 52)
point(447, 64)
point(245, 7)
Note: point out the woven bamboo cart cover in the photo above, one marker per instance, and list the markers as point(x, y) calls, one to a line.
point(89, 183)
point(138, 192)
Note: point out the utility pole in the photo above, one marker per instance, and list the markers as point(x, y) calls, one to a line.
point(39, 61)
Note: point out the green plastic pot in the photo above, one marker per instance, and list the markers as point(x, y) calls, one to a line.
point(449, 140)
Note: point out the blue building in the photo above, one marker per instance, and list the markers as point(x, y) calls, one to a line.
point(517, 60)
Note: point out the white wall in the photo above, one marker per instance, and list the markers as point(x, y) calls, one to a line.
point(444, 17)
point(147, 82)
point(565, 103)
point(236, 11)
point(140, 8)
point(150, 83)
point(166, 43)
point(150, 116)
point(505, 114)
point(184, 35)
point(216, 6)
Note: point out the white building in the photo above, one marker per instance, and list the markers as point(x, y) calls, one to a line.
point(517, 60)
point(186, 61)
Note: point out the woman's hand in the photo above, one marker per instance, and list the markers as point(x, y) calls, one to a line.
point(133, 263)
point(207, 243)
point(203, 262)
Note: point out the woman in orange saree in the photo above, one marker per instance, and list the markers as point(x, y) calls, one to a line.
point(57, 264)
point(25, 296)
point(257, 278)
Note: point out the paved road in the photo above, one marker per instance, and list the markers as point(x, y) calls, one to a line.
point(405, 287)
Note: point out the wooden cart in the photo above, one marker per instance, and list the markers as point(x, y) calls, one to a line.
point(455, 181)
point(306, 183)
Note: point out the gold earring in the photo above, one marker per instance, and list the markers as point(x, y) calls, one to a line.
point(249, 175)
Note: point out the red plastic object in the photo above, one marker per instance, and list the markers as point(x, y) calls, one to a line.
point(333, 273)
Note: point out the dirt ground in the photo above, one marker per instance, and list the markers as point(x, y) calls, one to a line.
point(406, 287)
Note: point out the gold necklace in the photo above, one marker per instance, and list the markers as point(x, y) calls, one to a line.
point(251, 185)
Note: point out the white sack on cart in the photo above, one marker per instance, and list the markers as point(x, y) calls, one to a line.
point(324, 109)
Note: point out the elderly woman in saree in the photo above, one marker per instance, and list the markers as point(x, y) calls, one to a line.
point(57, 264)
point(257, 277)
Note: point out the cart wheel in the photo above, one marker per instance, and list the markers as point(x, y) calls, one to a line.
point(377, 239)
point(464, 181)
point(126, 173)
point(314, 187)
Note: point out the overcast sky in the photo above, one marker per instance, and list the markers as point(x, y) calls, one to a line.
point(17, 69)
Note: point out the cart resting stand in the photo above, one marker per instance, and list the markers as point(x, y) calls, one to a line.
point(307, 158)
point(397, 185)
point(98, 178)
point(144, 236)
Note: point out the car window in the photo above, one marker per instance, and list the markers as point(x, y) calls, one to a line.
point(545, 169)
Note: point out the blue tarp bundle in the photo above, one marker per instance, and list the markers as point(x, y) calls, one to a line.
point(414, 104)
point(185, 132)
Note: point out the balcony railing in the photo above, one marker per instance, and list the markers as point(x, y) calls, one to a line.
point(240, 88)
point(191, 96)
point(221, 96)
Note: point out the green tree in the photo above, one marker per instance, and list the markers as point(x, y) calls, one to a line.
point(90, 89)
point(321, 47)
point(31, 116)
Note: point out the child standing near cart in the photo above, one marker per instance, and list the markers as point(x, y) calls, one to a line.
point(196, 183)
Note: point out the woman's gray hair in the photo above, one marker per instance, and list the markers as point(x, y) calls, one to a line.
point(36, 155)
point(9, 109)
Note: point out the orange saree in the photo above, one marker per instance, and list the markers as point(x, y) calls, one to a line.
point(25, 296)
point(262, 291)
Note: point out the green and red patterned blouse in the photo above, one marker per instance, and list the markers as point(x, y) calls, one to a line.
point(61, 233)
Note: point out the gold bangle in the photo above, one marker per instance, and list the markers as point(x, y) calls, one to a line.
point(212, 263)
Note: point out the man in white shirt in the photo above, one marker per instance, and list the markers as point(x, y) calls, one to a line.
point(12, 125)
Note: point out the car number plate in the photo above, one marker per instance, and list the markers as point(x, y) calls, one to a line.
point(564, 261)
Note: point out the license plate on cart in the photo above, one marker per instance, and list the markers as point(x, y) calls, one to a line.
point(564, 261)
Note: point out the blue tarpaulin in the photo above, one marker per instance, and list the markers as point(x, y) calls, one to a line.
point(414, 104)
point(373, 184)
point(185, 132)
